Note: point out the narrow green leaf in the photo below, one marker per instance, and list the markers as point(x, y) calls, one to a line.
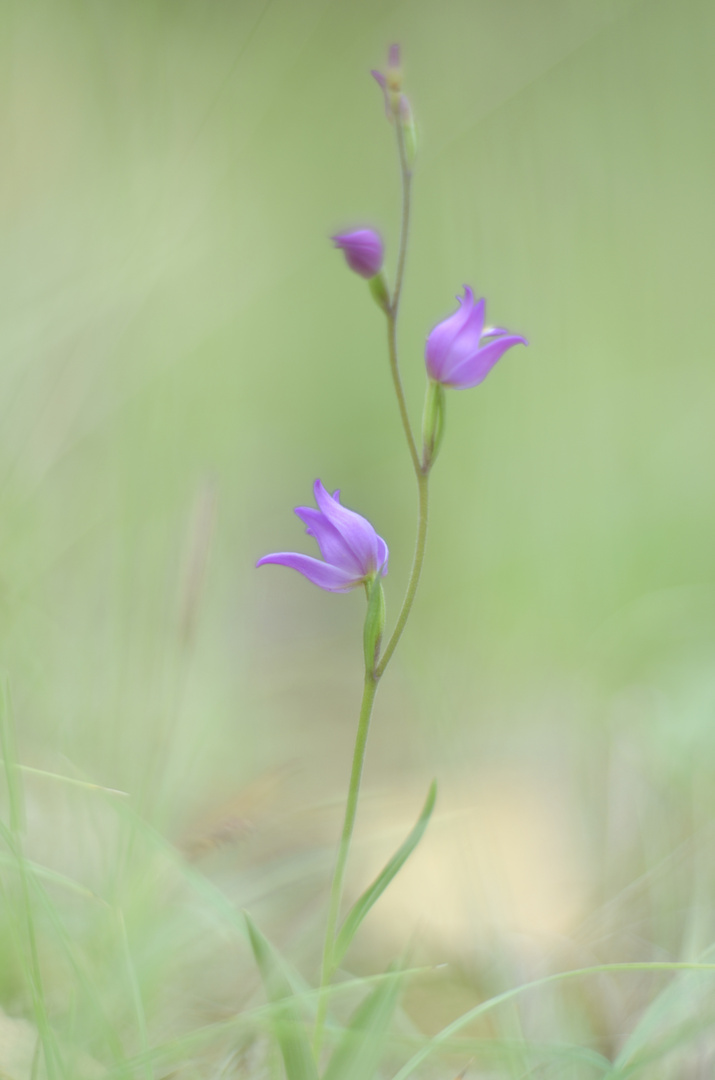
point(9, 760)
point(86, 785)
point(45, 873)
point(286, 1020)
point(357, 1055)
point(374, 891)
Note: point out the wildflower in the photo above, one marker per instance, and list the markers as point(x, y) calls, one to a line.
point(352, 551)
point(460, 352)
point(363, 251)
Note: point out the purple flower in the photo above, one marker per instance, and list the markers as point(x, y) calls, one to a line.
point(363, 251)
point(460, 351)
point(352, 551)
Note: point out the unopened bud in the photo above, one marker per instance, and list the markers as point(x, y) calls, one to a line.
point(393, 75)
point(391, 83)
point(363, 251)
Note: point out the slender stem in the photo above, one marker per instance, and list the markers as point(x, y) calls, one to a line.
point(420, 472)
point(336, 889)
point(397, 380)
point(372, 677)
point(394, 308)
point(406, 175)
point(423, 485)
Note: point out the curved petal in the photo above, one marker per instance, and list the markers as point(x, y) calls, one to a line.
point(442, 337)
point(356, 531)
point(383, 555)
point(332, 546)
point(467, 342)
point(331, 578)
point(476, 368)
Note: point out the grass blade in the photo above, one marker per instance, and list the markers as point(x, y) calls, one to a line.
point(358, 1053)
point(12, 835)
point(374, 891)
point(286, 1020)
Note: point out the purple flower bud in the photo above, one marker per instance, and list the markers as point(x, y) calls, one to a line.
point(460, 352)
point(363, 251)
point(352, 551)
point(391, 83)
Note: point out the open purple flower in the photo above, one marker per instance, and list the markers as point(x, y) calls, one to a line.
point(460, 352)
point(363, 251)
point(352, 551)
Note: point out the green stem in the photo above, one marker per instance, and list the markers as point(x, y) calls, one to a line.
point(372, 678)
point(421, 470)
point(406, 175)
point(394, 308)
point(336, 889)
point(423, 487)
point(397, 381)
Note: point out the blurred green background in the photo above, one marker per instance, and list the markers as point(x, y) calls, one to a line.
point(183, 354)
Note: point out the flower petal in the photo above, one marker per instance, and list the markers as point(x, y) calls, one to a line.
point(332, 545)
point(331, 578)
point(475, 368)
point(383, 555)
point(467, 342)
point(356, 531)
point(442, 337)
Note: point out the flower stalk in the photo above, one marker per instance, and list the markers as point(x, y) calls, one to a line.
point(375, 664)
point(459, 353)
point(336, 888)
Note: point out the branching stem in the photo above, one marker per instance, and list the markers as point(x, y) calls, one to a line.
point(417, 561)
point(372, 677)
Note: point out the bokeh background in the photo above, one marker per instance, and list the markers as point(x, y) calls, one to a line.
point(183, 354)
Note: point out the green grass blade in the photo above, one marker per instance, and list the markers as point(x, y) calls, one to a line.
point(374, 891)
point(12, 835)
point(52, 876)
point(136, 995)
point(358, 1053)
point(286, 1020)
point(443, 1037)
point(71, 781)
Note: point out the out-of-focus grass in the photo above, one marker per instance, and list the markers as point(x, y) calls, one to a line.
point(183, 355)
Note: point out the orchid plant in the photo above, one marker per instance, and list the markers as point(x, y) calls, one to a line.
point(460, 352)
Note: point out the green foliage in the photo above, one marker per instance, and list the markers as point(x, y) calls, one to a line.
point(375, 890)
point(358, 1054)
point(286, 1021)
point(172, 311)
